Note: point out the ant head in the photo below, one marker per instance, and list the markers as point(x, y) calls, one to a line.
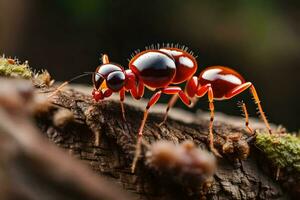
point(108, 78)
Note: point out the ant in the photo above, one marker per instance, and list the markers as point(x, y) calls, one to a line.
point(159, 69)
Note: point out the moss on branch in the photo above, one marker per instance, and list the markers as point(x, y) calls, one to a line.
point(282, 149)
point(13, 68)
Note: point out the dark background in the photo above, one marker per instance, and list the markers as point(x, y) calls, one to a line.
point(260, 39)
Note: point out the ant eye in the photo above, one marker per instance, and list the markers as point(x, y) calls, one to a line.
point(115, 80)
point(97, 80)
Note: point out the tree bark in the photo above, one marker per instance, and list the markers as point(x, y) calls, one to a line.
point(73, 122)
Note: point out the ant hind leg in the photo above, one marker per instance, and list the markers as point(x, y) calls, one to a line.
point(242, 88)
point(262, 114)
point(246, 115)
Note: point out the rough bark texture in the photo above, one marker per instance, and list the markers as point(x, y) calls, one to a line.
point(75, 132)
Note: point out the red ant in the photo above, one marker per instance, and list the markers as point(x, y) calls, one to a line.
point(158, 69)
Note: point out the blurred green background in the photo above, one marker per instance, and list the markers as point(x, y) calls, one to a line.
point(260, 39)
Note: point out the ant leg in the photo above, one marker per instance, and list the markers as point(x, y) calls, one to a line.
point(243, 87)
point(237, 90)
point(122, 97)
point(212, 115)
point(177, 90)
point(171, 103)
point(190, 91)
point(262, 114)
point(178, 93)
point(245, 112)
point(137, 91)
point(192, 86)
point(194, 102)
point(201, 92)
point(151, 102)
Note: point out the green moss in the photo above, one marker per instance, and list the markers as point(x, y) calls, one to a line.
point(12, 68)
point(282, 149)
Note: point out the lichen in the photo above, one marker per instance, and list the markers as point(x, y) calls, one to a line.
point(13, 68)
point(282, 149)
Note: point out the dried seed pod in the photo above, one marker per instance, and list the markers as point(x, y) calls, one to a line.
point(184, 162)
point(42, 79)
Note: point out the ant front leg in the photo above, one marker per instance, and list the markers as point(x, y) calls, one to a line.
point(122, 97)
point(246, 115)
point(152, 101)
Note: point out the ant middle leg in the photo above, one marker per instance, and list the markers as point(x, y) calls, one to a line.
point(177, 91)
point(246, 115)
point(171, 103)
point(190, 91)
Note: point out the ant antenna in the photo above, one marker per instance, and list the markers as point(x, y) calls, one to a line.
point(67, 82)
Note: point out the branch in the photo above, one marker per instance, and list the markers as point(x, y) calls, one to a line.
point(32, 167)
point(235, 178)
